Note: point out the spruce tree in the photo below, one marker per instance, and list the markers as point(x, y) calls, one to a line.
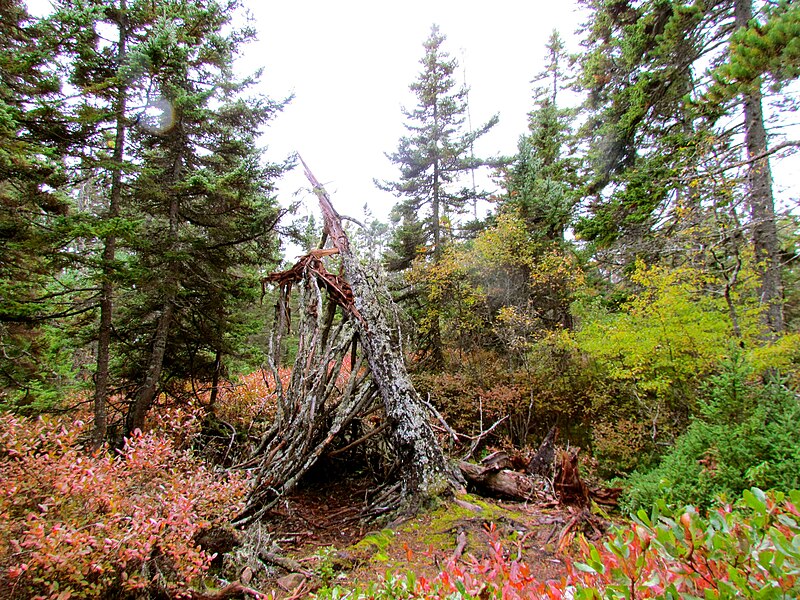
point(653, 137)
point(541, 179)
point(436, 154)
point(433, 160)
point(205, 198)
point(541, 189)
point(184, 215)
point(34, 136)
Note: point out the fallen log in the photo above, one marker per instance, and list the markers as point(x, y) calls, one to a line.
point(497, 475)
point(607, 496)
point(505, 483)
point(229, 592)
point(292, 566)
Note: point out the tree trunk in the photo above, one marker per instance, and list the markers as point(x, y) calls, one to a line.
point(427, 471)
point(146, 395)
point(101, 391)
point(760, 199)
point(543, 462)
point(215, 379)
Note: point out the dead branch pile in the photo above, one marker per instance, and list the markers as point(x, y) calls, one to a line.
point(552, 475)
point(330, 398)
point(349, 386)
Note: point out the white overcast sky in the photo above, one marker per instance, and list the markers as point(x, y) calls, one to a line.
point(350, 63)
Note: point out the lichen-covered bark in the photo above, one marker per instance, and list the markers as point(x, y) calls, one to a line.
point(314, 409)
point(326, 395)
point(427, 472)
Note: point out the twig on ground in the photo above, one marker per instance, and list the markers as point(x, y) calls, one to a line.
point(284, 563)
point(461, 544)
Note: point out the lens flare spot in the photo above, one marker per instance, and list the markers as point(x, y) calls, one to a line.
point(158, 116)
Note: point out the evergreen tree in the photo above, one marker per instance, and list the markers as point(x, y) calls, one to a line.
point(650, 148)
point(100, 66)
point(187, 216)
point(541, 190)
point(432, 160)
point(34, 136)
point(205, 198)
point(436, 154)
point(540, 181)
point(639, 66)
point(761, 50)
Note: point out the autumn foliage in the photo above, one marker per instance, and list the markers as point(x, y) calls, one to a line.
point(751, 550)
point(79, 526)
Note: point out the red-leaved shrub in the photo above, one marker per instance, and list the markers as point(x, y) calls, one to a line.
point(77, 526)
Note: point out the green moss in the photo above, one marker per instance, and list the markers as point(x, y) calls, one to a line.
point(445, 521)
point(376, 545)
point(435, 528)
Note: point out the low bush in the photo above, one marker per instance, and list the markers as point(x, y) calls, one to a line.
point(78, 526)
point(744, 435)
point(751, 550)
point(748, 551)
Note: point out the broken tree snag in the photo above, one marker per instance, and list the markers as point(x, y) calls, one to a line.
point(568, 484)
point(543, 462)
point(348, 393)
point(426, 471)
point(311, 265)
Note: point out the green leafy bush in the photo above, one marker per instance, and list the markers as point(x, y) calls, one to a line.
point(650, 360)
point(744, 435)
point(748, 551)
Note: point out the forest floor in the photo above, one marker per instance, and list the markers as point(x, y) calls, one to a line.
point(321, 530)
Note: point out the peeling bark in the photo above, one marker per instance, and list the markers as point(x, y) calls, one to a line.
point(314, 411)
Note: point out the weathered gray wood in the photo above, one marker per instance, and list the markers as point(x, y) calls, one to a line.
point(543, 462)
point(427, 472)
point(316, 407)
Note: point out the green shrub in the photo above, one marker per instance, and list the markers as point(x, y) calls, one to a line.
point(745, 435)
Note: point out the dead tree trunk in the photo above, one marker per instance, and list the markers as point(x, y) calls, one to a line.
point(543, 462)
point(427, 472)
point(324, 396)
